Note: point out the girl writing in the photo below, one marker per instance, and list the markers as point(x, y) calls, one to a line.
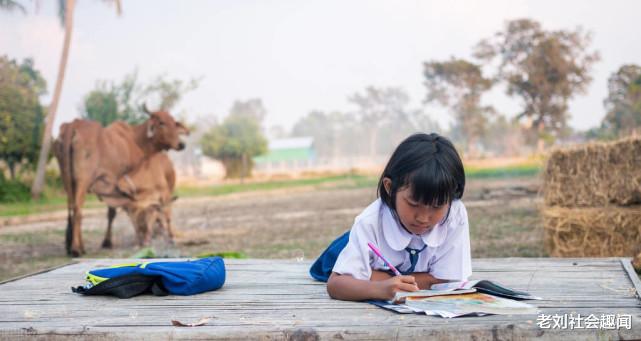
point(418, 223)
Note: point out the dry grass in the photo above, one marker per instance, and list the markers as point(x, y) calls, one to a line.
point(289, 223)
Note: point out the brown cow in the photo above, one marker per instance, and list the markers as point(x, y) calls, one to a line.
point(93, 158)
point(146, 194)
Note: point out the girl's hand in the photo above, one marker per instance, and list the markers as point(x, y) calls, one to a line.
point(391, 286)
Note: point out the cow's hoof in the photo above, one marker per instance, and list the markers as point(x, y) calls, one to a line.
point(75, 253)
point(106, 244)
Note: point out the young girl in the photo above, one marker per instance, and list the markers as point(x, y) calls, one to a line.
point(418, 223)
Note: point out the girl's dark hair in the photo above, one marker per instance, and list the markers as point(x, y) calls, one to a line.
point(430, 165)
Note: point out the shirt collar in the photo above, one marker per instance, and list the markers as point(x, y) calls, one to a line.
point(398, 238)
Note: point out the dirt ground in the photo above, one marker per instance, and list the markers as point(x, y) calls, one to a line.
point(294, 223)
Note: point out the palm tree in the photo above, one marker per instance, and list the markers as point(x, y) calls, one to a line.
point(66, 10)
point(67, 19)
point(12, 5)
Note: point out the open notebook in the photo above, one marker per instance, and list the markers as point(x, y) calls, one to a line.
point(461, 299)
point(469, 304)
point(486, 287)
point(401, 296)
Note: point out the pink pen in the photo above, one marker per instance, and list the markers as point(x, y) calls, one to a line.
point(379, 254)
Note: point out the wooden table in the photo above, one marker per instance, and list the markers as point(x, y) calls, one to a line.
point(276, 299)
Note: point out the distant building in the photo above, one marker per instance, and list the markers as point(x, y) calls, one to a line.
point(192, 166)
point(287, 155)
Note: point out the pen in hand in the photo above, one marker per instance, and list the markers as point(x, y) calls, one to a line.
point(380, 255)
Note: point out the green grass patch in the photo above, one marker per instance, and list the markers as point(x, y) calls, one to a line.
point(228, 255)
point(262, 186)
point(43, 205)
point(503, 172)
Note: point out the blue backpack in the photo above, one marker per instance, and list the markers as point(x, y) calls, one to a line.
point(322, 267)
point(159, 278)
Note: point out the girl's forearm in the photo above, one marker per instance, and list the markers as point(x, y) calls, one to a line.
point(348, 288)
point(379, 275)
point(425, 280)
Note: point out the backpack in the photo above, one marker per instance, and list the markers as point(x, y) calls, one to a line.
point(159, 278)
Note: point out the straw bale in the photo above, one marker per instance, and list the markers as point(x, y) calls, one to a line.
point(592, 175)
point(610, 231)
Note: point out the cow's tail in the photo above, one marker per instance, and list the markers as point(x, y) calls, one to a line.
point(67, 173)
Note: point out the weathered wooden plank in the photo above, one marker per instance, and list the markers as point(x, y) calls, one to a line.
point(348, 317)
point(632, 275)
point(304, 332)
point(276, 299)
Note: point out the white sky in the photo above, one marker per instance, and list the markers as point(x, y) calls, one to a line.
point(301, 55)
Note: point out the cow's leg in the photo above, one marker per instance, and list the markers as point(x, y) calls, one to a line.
point(147, 237)
point(111, 214)
point(144, 237)
point(68, 233)
point(139, 222)
point(147, 231)
point(77, 247)
point(170, 229)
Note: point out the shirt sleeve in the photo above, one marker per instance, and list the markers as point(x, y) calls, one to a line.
point(454, 261)
point(354, 260)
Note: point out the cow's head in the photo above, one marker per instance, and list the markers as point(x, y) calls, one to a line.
point(147, 220)
point(150, 217)
point(164, 131)
point(148, 208)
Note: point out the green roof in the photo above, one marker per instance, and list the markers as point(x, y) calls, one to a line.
point(289, 154)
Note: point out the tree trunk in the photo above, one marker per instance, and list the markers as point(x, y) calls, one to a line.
point(540, 147)
point(243, 169)
point(12, 169)
point(38, 181)
point(471, 148)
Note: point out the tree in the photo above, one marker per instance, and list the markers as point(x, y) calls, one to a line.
point(109, 101)
point(459, 84)
point(65, 10)
point(504, 136)
point(543, 68)
point(167, 93)
point(101, 105)
point(623, 104)
point(377, 107)
point(327, 130)
point(12, 5)
point(234, 142)
point(21, 114)
point(252, 108)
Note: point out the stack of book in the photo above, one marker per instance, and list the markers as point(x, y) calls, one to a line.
point(454, 299)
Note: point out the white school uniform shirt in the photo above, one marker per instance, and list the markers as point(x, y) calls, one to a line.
point(447, 255)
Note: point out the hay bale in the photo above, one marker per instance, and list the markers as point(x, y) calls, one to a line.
point(592, 232)
point(636, 262)
point(596, 174)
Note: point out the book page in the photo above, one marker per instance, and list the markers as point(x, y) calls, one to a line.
point(471, 303)
point(401, 296)
point(454, 285)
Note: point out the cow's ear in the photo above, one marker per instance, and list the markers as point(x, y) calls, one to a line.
point(182, 129)
point(150, 129)
point(144, 109)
